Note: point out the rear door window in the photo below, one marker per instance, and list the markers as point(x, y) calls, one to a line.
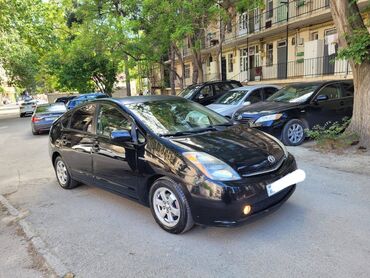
point(82, 119)
point(348, 90)
point(254, 96)
point(205, 92)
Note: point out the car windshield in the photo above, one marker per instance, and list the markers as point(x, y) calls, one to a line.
point(188, 92)
point(176, 116)
point(56, 108)
point(232, 97)
point(294, 93)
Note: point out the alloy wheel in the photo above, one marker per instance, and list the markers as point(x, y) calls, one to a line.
point(166, 207)
point(295, 133)
point(62, 172)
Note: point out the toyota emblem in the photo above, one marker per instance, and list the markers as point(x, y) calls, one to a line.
point(271, 159)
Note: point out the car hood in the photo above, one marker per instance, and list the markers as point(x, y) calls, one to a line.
point(246, 150)
point(223, 109)
point(267, 107)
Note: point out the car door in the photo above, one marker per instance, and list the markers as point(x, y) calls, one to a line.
point(114, 164)
point(205, 95)
point(78, 141)
point(327, 106)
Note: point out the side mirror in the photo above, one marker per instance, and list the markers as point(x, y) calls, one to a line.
point(247, 103)
point(322, 98)
point(120, 136)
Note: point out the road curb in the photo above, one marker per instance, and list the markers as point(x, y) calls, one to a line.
point(53, 262)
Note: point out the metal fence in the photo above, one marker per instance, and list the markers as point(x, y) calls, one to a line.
point(301, 68)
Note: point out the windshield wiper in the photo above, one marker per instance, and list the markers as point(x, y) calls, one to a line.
point(188, 132)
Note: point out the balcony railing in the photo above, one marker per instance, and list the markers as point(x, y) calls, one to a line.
point(254, 21)
point(301, 68)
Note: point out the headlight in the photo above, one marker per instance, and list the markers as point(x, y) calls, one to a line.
point(268, 118)
point(212, 167)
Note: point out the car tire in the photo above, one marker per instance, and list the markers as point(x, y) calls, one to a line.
point(293, 133)
point(63, 176)
point(34, 132)
point(169, 206)
point(21, 115)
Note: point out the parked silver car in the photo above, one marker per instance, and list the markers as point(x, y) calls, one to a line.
point(236, 98)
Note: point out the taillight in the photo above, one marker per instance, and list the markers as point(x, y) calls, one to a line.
point(35, 119)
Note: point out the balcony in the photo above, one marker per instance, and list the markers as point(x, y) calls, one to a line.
point(319, 67)
point(256, 25)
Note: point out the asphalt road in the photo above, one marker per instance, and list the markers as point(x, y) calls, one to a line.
point(322, 231)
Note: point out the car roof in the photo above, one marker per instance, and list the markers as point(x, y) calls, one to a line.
point(252, 87)
point(143, 99)
point(88, 95)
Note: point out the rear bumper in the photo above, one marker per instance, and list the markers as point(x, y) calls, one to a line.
point(228, 209)
point(41, 127)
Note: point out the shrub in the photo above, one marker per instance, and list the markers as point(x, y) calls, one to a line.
point(332, 136)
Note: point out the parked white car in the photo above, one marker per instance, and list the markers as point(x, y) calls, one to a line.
point(27, 107)
point(236, 98)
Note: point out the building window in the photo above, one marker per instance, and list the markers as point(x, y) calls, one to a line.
point(269, 54)
point(314, 36)
point(230, 65)
point(269, 9)
point(187, 71)
point(243, 21)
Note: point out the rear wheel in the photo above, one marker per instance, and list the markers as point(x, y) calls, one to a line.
point(21, 115)
point(63, 176)
point(34, 132)
point(293, 133)
point(170, 207)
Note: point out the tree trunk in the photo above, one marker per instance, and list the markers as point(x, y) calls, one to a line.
point(127, 76)
point(195, 68)
point(347, 18)
point(172, 73)
point(181, 60)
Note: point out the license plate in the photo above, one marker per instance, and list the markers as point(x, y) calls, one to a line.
point(286, 181)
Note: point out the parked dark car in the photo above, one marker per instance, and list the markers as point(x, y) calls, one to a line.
point(207, 92)
point(44, 116)
point(84, 98)
point(64, 99)
point(188, 163)
point(294, 108)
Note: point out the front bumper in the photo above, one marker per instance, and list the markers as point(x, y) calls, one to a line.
point(228, 209)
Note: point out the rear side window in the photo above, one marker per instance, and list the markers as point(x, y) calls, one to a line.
point(221, 88)
point(82, 118)
point(65, 121)
point(111, 119)
point(348, 89)
point(54, 108)
point(234, 84)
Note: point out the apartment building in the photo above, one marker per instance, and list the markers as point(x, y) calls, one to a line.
point(287, 41)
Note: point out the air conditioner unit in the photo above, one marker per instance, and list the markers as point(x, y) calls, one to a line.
point(300, 41)
point(268, 24)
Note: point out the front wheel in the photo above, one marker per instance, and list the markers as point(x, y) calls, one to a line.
point(64, 178)
point(170, 207)
point(293, 133)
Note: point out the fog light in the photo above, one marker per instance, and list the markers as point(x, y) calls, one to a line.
point(247, 209)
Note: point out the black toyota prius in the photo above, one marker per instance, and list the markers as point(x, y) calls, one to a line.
point(186, 162)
